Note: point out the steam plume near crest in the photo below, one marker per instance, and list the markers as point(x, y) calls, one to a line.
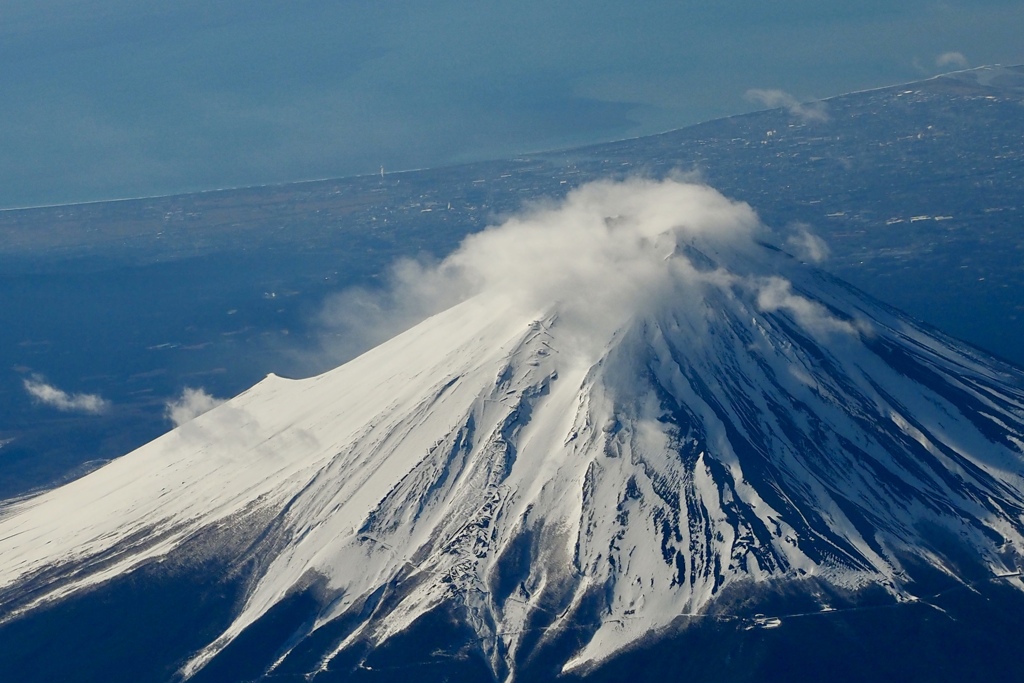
point(192, 403)
point(607, 252)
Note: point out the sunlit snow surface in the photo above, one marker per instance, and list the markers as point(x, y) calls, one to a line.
point(734, 416)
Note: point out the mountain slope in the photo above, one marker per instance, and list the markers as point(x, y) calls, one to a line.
point(644, 412)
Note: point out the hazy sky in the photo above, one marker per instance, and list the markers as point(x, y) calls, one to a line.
point(118, 98)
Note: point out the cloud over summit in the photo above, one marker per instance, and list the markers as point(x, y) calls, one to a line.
point(601, 252)
point(608, 245)
point(608, 252)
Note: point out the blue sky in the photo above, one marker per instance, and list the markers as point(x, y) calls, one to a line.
point(103, 99)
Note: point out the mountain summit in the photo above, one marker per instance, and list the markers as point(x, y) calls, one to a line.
point(640, 413)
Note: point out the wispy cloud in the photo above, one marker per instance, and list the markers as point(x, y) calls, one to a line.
point(951, 59)
point(191, 404)
point(808, 112)
point(49, 395)
point(806, 245)
point(776, 293)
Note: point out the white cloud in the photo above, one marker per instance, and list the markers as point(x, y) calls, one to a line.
point(49, 395)
point(951, 59)
point(602, 254)
point(776, 293)
point(609, 252)
point(808, 112)
point(191, 404)
point(806, 245)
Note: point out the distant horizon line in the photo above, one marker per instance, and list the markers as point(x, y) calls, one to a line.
point(382, 171)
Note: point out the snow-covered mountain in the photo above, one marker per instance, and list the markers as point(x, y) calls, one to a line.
point(641, 411)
